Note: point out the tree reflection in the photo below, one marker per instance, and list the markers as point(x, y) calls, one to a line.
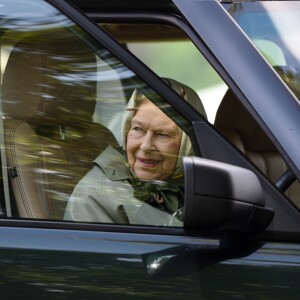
point(291, 77)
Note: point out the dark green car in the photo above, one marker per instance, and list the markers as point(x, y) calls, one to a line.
point(73, 226)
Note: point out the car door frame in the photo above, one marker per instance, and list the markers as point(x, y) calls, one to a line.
point(286, 213)
point(25, 243)
point(208, 139)
point(64, 237)
point(40, 231)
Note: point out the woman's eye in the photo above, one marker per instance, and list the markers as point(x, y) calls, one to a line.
point(163, 135)
point(137, 131)
point(137, 128)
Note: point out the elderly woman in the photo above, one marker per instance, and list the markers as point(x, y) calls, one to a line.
point(142, 183)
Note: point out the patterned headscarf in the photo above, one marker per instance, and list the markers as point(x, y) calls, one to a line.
point(185, 145)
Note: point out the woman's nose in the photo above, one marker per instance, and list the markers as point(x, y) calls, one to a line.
point(147, 143)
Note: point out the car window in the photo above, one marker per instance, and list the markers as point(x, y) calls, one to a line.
point(84, 139)
point(273, 29)
point(168, 51)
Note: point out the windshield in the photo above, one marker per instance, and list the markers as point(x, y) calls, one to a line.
point(274, 27)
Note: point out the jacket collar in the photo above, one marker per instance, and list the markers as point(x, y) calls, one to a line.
point(112, 162)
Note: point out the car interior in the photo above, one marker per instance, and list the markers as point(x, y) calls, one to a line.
point(240, 128)
point(232, 120)
point(47, 120)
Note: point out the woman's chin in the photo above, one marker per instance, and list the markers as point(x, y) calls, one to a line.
point(147, 175)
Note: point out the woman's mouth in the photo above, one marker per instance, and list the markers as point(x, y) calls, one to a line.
point(149, 163)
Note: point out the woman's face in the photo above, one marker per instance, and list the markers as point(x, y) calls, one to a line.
point(153, 143)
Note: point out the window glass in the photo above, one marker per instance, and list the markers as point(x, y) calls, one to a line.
point(169, 52)
point(83, 138)
point(273, 26)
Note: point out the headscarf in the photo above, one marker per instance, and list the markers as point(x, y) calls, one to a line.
point(185, 144)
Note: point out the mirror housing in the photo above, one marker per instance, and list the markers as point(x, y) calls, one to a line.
point(223, 198)
point(187, 259)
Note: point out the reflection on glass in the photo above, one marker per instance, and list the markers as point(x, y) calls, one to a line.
point(64, 97)
point(274, 27)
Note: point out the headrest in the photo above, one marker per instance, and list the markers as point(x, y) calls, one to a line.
point(50, 79)
point(231, 115)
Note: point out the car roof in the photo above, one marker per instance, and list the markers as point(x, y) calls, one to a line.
point(128, 5)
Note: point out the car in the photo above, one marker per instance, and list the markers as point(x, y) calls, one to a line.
point(69, 69)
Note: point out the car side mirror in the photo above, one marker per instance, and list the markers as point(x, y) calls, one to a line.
point(223, 198)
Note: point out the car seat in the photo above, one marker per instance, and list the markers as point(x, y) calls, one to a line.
point(236, 123)
point(48, 100)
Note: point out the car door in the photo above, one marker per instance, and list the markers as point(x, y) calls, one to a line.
point(65, 84)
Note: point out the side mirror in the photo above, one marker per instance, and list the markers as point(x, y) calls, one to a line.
point(223, 198)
